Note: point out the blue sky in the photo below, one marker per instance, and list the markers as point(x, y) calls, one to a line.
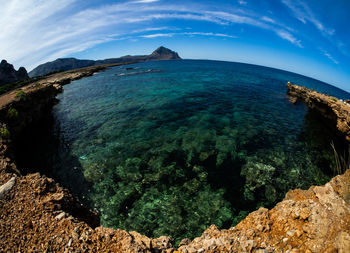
point(307, 37)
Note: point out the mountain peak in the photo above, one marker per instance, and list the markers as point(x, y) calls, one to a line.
point(8, 74)
point(163, 53)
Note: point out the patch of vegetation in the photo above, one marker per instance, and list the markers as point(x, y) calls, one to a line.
point(4, 133)
point(12, 113)
point(21, 94)
point(11, 86)
point(342, 162)
point(54, 72)
point(334, 99)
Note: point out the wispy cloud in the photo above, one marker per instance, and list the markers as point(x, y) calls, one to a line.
point(152, 29)
point(50, 28)
point(241, 2)
point(303, 13)
point(183, 16)
point(329, 56)
point(145, 1)
point(288, 36)
point(267, 19)
point(157, 35)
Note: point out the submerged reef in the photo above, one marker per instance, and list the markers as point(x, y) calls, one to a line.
point(313, 220)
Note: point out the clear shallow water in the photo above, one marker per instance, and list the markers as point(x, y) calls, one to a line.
point(171, 147)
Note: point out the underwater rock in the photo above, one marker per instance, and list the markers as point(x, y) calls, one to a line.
point(258, 175)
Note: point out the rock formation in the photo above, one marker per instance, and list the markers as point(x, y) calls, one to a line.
point(9, 75)
point(36, 214)
point(163, 53)
point(334, 110)
point(63, 64)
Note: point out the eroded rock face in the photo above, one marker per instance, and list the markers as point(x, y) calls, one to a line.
point(335, 111)
point(314, 220)
point(38, 214)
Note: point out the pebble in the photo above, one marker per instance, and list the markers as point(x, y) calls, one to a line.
point(290, 233)
point(60, 216)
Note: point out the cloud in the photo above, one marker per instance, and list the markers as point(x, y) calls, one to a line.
point(267, 19)
point(329, 56)
point(145, 1)
point(46, 29)
point(183, 16)
point(269, 24)
point(241, 2)
point(151, 29)
point(157, 35)
point(304, 14)
point(226, 17)
point(288, 36)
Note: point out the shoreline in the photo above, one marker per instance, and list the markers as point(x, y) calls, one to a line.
point(313, 220)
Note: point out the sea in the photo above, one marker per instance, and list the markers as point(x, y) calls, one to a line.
point(172, 147)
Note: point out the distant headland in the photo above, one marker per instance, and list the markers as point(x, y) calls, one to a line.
point(63, 64)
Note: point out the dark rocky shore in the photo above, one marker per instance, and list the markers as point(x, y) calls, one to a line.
point(335, 111)
point(37, 215)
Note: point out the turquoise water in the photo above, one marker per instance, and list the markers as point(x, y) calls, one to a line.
point(171, 147)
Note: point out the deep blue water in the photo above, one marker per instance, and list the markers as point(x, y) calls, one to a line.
point(171, 147)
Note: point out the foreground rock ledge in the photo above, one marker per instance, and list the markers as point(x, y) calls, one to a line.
point(37, 215)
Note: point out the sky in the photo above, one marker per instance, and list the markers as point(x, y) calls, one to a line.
point(309, 37)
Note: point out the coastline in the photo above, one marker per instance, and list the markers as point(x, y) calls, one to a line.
point(314, 220)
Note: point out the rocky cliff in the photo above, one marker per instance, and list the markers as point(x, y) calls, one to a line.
point(8, 74)
point(36, 214)
point(63, 64)
point(336, 112)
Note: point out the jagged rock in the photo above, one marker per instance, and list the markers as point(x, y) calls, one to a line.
point(9, 75)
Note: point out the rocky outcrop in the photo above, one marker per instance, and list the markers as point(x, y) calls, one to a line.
point(163, 53)
point(36, 214)
point(334, 110)
point(315, 220)
point(9, 75)
point(63, 64)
